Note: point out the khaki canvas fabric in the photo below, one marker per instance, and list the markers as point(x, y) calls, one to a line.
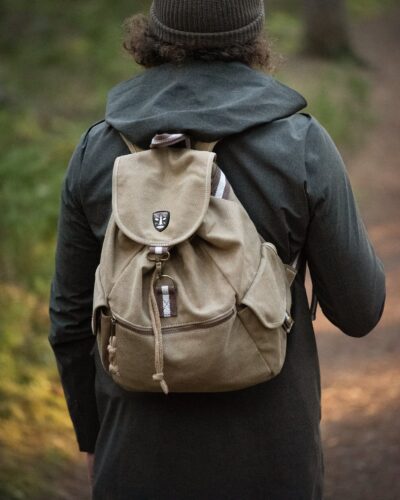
point(232, 291)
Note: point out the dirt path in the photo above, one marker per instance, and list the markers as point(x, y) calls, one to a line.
point(361, 377)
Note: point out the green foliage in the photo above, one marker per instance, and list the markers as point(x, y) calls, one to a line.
point(337, 95)
point(285, 31)
point(337, 91)
point(30, 175)
point(357, 8)
point(368, 8)
point(35, 441)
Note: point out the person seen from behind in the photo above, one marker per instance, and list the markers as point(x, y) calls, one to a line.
point(206, 77)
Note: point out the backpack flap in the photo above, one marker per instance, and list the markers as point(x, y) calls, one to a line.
point(160, 196)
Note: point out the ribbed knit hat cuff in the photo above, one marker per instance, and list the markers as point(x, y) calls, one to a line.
point(215, 39)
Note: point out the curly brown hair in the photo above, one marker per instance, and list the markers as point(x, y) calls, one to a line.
point(148, 50)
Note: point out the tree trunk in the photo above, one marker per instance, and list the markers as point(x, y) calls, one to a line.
point(326, 32)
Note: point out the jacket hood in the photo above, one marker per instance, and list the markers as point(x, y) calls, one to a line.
point(208, 101)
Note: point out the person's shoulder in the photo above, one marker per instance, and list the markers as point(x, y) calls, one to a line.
point(288, 134)
point(301, 123)
point(323, 162)
point(100, 140)
point(306, 129)
point(94, 132)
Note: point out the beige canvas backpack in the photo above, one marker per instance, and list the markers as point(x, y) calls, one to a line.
point(188, 297)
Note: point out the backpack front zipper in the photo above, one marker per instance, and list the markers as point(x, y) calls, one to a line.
point(170, 329)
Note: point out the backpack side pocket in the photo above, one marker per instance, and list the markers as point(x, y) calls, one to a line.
point(264, 308)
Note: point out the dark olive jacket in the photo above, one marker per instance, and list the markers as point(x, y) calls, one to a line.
point(258, 443)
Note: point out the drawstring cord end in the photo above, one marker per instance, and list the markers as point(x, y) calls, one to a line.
point(160, 378)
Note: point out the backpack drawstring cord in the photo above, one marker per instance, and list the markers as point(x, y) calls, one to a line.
point(156, 325)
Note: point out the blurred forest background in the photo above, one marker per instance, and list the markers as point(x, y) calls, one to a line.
point(58, 59)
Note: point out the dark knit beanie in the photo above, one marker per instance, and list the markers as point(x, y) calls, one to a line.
point(207, 23)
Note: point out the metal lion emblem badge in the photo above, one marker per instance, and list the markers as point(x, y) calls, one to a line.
point(161, 220)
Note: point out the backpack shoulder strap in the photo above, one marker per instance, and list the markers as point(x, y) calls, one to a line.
point(132, 147)
point(205, 146)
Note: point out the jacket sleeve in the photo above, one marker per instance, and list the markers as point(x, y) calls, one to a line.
point(348, 277)
point(71, 338)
